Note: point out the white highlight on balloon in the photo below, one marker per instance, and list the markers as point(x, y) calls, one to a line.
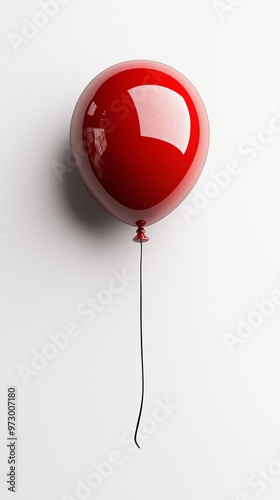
point(163, 114)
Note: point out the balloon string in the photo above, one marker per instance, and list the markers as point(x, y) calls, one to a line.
point(141, 343)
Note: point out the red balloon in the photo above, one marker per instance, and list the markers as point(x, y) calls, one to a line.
point(139, 137)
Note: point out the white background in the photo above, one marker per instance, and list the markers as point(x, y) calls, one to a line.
point(200, 273)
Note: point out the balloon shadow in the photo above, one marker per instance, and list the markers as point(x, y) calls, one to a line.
point(78, 200)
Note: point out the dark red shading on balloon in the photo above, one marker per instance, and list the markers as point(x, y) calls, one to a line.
point(142, 131)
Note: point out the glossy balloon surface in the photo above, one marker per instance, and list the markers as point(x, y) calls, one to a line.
point(139, 137)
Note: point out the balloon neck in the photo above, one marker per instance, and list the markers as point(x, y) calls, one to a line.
point(140, 233)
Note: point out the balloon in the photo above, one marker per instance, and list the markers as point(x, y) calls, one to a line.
point(139, 138)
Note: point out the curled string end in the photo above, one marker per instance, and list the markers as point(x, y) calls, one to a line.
point(135, 441)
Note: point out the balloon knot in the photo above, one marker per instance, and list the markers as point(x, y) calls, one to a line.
point(140, 233)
